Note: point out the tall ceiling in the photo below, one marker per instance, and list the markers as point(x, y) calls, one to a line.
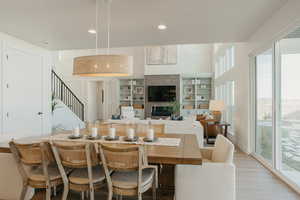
point(63, 24)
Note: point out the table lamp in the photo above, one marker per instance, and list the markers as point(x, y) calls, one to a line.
point(216, 107)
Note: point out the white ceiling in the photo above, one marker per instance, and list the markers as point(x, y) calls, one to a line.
point(64, 23)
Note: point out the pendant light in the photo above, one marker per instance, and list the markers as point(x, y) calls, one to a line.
point(107, 65)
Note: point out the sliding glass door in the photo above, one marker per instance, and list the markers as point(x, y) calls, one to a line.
point(289, 109)
point(277, 107)
point(264, 105)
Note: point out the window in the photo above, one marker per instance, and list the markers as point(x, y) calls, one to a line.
point(230, 104)
point(264, 105)
point(223, 97)
point(232, 57)
point(288, 132)
point(217, 92)
point(225, 62)
point(222, 65)
point(277, 107)
point(217, 69)
point(228, 59)
point(226, 92)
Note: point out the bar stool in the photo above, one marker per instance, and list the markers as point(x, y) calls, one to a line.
point(87, 175)
point(132, 175)
point(43, 171)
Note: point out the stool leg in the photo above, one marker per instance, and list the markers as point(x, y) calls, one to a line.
point(82, 195)
point(24, 192)
point(48, 193)
point(54, 190)
point(140, 196)
point(65, 192)
point(110, 195)
point(154, 189)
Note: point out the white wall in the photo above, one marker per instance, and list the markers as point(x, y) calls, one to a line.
point(238, 74)
point(64, 118)
point(111, 98)
point(93, 101)
point(46, 66)
point(1, 85)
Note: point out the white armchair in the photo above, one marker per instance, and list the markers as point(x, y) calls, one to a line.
point(213, 180)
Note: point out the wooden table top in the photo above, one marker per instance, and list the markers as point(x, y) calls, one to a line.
point(187, 152)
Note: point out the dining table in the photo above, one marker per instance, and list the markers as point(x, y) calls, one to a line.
point(185, 152)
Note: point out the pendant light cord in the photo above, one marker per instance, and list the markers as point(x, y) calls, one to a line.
point(108, 24)
point(97, 31)
point(108, 2)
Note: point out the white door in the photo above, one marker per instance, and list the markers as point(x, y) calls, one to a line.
point(22, 94)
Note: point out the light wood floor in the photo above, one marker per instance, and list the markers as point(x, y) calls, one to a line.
point(254, 182)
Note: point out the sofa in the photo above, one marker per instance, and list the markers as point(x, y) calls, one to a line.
point(188, 126)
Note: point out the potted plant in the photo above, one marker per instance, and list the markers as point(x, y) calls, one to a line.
point(176, 111)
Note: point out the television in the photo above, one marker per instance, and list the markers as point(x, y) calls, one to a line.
point(162, 93)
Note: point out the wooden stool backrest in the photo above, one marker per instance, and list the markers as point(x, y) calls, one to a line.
point(121, 158)
point(31, 153)
point(75, 155)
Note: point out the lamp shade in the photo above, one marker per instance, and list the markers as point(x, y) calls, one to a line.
point(216, 105)
point(103, 65)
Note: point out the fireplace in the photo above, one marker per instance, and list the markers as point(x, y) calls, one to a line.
point(161, 111)
point(161, 93)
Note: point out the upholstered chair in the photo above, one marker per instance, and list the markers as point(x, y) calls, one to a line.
point(213, 180)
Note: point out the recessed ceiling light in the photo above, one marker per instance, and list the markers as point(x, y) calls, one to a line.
point(92, 31)
point(162, 27)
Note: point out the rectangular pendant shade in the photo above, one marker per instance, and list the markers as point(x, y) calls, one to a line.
point(103, 65)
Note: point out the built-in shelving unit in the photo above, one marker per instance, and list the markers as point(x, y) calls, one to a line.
point(196, 94)
point(132, 93)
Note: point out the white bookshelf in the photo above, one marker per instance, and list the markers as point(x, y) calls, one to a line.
point(196, 94)
point(132, 93)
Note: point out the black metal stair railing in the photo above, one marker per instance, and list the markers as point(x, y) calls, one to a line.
point(61, 91)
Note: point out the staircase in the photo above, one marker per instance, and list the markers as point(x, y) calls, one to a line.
point(62, 92)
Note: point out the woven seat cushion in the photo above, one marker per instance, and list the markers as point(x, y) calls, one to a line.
point(37, 174)
point(80, 176)
point(128, 180)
